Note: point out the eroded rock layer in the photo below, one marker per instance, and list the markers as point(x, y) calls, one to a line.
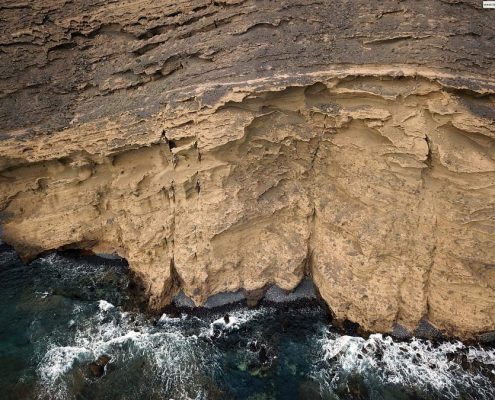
point(227, 145)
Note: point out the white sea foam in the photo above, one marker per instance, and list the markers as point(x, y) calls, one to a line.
point(59, 360)
point(180, 356)
point(166, 319)
point(54, 366)
point(417, 363)
point(236, 319)
point(105, 305)
point(221, 326)
point(177, 360)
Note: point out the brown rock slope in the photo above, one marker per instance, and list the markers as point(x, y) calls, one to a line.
point(220, 145)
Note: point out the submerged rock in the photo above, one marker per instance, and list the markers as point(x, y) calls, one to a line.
point(263, 355)
point(97, 368)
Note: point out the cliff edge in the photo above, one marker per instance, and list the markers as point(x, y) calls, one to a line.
point(219, 145)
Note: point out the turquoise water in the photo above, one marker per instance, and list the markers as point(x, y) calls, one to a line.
point(63, 312)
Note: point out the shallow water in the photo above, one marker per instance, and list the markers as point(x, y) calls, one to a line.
point(62, 312)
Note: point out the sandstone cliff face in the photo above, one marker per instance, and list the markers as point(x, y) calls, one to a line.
point(234, 144)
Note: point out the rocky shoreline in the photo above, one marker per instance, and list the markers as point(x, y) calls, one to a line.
point(69, 330)
point(224, 146)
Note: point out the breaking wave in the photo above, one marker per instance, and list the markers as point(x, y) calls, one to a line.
point(449, 370)
point(65, 335)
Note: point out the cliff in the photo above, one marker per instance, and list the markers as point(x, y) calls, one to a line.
point(219, 145)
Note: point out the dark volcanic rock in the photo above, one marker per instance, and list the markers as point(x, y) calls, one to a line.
point(97, 368)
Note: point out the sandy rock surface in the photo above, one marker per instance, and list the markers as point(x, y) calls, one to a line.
point(226, 145)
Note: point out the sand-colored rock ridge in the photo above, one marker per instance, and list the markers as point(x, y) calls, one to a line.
point(232, 145)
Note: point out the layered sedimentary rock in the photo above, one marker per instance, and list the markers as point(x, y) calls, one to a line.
point(230, 145)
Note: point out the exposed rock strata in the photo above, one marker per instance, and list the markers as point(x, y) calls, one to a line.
point(227, 145)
